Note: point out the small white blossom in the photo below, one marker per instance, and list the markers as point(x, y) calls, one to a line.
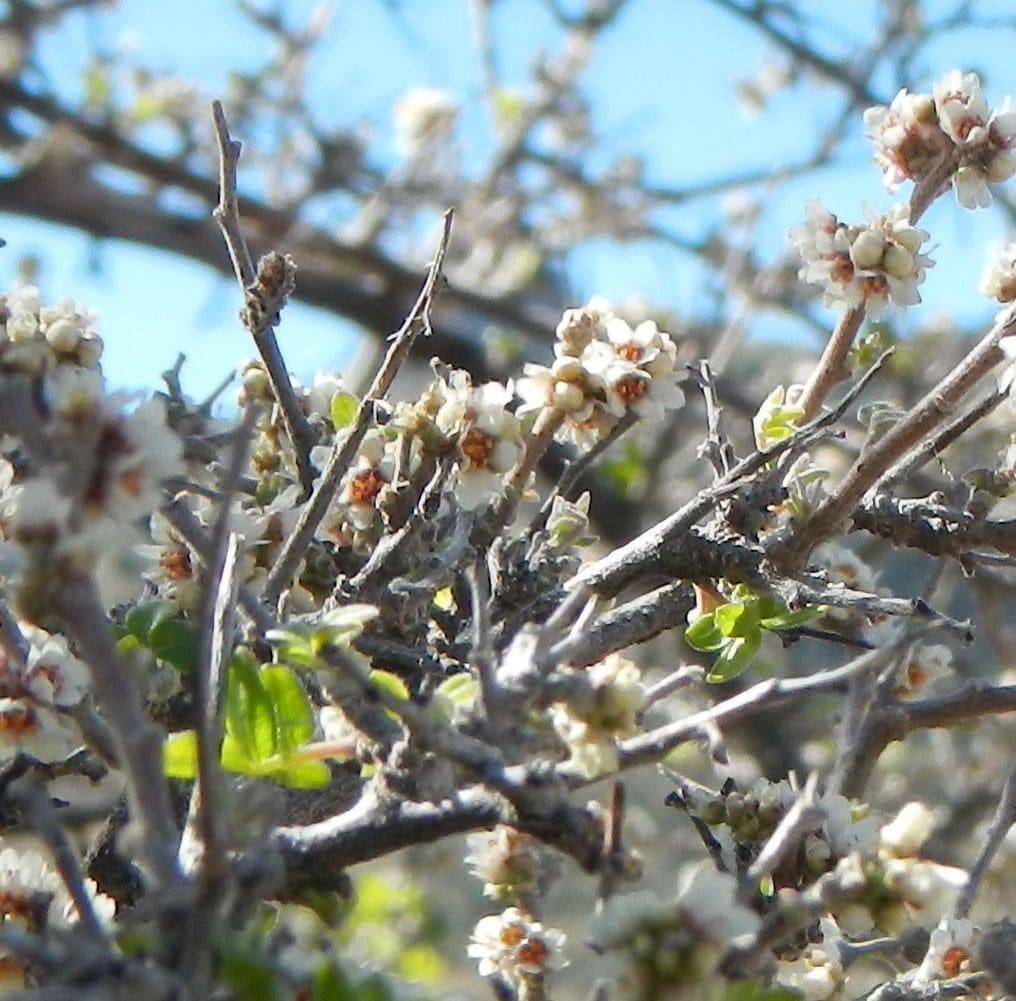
point(926, 665)
point(489, 439)
point(998, 280)
point(590, 727)
point(818, 973)
point(907, 137)
point(514, 945)
point(847, 828)
point(868, 265)
point(928, 888)
point(908, 830)
point(423, 114)
point(949, 951)
point(506, 860)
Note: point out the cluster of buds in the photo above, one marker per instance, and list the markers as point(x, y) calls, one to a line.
point(915, 132)
point(601, 714)
point(818, 972)
point(604, 370)
point(868, 265)
point(509, 862)
point(36, 339)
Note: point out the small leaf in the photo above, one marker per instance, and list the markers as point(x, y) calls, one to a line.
point(390, 683)
point(791, 620)
point(459, 689)
point(304, 774)
point(292, 711)
point(344, 409)
point(176, 642)
point(703, 634)
point(180, 755)
point(734, 658)
point(141, 619)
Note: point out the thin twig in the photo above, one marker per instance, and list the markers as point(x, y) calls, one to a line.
point(344, 450)
point(1005, 817)
point(265, 289)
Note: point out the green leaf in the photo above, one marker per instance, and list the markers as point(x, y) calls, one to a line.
point(291, 708)
point(176, 642)
point(734, 658)
point(460, 689)
point(250, 719)
point(737, 620)
point(703, 634)
point(180, 755)
point(791, 620)
point(141, 619)
point(344, 409)
point(304, 775)
point(390, 683)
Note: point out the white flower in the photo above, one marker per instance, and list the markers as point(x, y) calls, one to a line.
point(817, 974)
point(513, 944)
point(908, 830)
point(844, 566)
point(907, 138)
point(26, 727)
point(611, 711)
point(998, 280)
point(506, 860)
point(962, 109)
point(489, 439)
point(53, 675)
point(32, 892)
point(927, 664)
point(862, 265)
point(632, 385)
point(984, 140)
point(928, 888)
point(423, 114)
point(845, 830)
point(362, 485)
point(949, 951)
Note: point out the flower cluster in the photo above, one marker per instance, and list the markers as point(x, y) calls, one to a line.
point(915, 132)
point(35, 338)
point(487, 434)
point(515, 946)
point(870, 265)
point(34, 696)
point(607, 709)
point(508, 861)
point(604, 370)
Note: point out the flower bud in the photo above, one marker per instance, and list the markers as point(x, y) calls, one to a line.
point(898, 261)
point(866, 251)
point(568, 397)
point(567, 369)
point(63, 336)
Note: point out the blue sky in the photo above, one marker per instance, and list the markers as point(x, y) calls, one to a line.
point(661, 85)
